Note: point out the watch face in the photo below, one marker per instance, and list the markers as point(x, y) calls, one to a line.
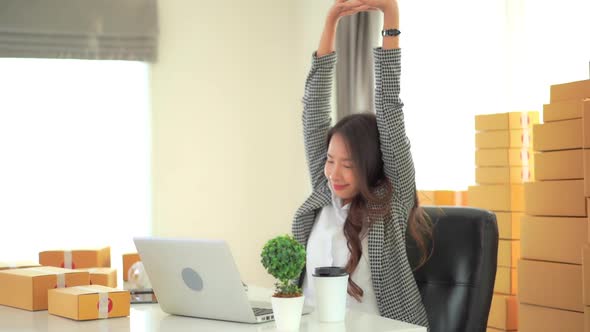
point(390, 32)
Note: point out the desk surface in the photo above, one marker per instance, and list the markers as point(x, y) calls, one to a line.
point(149, 317)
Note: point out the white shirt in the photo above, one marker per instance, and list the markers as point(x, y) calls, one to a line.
point(327, 247)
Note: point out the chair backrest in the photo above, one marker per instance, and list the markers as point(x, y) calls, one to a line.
point(457, 281)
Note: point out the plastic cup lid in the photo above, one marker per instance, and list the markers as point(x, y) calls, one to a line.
point(329, 271)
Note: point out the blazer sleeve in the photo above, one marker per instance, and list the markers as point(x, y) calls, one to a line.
point(395, 146)
point(316, 114)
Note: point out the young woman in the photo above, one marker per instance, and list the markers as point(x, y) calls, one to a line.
point(364, 197)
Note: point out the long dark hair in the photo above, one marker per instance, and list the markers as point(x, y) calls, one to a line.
point(361, 136)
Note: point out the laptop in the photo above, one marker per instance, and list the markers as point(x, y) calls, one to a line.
point(199, 278)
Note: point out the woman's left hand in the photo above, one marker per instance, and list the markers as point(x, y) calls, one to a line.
point(382, 5)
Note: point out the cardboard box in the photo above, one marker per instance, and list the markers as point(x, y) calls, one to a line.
point(504, 175)
point(586, 273)
point(570, 91)
point(425, 197)
point(587, 173)
point(534, 318)
point(130, 259)
point(566, 236)
point(442, 197)
point(516, 138)
point(503, 157)
point(555, 198)
point(89, 302)
point(586, 319)
point(504, 198)
point(27, 288)
point(450, 197)
point(509, 225)
point(553, 285)
point(559, 165)
point(17, 265)
point(503, 312)
point(508, 253)
point(506, 281)
point(559, 135)
point(506, 121)
point(104, 276)
point(461, 198)
point(565, 110)
point(76, 259)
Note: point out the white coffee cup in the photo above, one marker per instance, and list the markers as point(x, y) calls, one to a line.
point(330, 286)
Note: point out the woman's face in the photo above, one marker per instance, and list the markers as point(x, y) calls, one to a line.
point(340, 170)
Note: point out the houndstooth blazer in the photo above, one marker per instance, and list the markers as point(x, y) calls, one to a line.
point(397, 294)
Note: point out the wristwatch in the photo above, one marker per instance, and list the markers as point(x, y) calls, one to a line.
point(390, 33)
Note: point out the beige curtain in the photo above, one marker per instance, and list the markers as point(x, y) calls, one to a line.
point(355, 38)
point(80, 29)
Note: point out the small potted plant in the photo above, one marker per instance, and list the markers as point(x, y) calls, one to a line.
point(284, 258)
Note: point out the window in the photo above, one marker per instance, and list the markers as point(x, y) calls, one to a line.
point(75, 151)
point(463, 58)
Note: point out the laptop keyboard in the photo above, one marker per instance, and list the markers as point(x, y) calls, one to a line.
point(261, 311)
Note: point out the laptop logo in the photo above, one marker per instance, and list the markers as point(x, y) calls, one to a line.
point(192, 279)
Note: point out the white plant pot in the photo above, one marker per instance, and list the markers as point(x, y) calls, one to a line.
point(287, 312)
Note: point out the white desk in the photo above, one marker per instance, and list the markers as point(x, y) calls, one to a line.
point(149, 317)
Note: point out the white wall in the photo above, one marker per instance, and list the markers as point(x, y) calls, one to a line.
point(228, 158)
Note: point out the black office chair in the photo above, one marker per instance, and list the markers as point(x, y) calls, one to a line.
point(457, 282)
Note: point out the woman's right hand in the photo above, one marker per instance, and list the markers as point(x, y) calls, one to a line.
point(339, 9)
point(342, 8)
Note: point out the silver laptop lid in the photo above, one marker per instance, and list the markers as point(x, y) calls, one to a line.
point(195, 277)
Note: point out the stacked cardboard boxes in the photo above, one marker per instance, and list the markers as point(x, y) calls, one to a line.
point(77, 284)
point(442, 197)
point(96, 261)
point(27, 288)
point(554, 229)
point(504, 162)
